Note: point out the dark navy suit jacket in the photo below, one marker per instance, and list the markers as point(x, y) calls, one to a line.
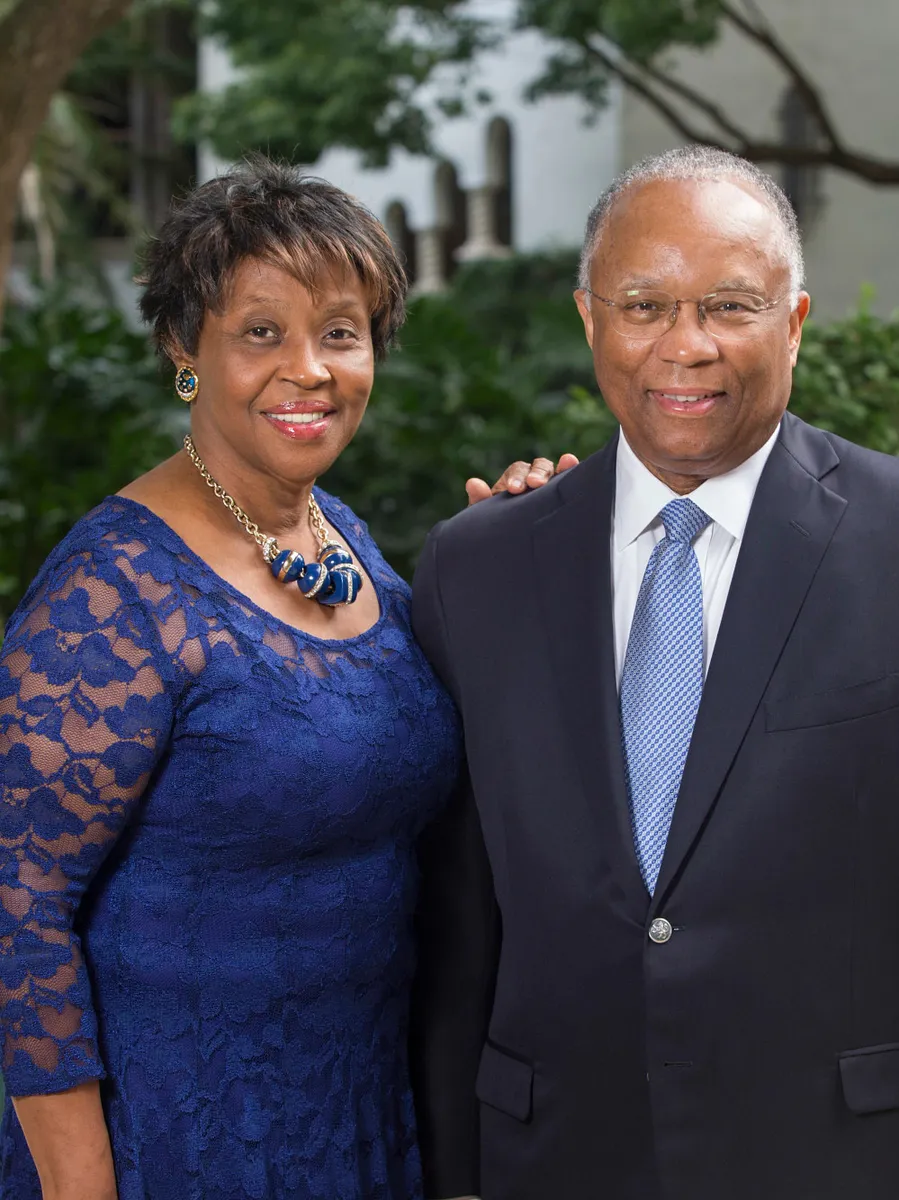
point(559, 1053)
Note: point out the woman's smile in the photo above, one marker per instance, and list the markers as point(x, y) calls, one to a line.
point(301, 420)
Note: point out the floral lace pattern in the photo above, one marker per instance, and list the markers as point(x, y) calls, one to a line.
point(207, 875)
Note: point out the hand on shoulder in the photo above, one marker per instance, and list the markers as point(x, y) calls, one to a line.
point(519, 477)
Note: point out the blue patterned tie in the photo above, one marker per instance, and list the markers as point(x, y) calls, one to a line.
point(661, 684)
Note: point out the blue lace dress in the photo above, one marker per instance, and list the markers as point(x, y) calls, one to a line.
point(206, 870)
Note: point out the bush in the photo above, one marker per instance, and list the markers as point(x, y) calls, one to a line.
point(496, 369)
point(847, 379)
point(485, 375)
point(83, 409)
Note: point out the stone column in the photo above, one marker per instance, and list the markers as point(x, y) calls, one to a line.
point(482, 241)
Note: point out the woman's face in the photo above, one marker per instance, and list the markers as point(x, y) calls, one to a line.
point(284, 375)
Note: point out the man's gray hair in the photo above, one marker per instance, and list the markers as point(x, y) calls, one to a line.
point(698, 162)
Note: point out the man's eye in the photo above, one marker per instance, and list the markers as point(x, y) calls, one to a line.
point(261, 331)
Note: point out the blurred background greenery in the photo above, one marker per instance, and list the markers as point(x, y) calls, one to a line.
point(491, 369)
point(495, 368)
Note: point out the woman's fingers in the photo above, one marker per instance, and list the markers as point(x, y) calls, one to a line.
point(519, 477)
point(477, 489)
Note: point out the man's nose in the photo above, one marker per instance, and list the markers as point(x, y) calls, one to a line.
point(687, 341)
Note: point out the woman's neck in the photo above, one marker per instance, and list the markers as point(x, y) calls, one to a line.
point(279, 507)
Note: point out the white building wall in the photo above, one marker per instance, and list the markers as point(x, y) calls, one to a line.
point(850, 52)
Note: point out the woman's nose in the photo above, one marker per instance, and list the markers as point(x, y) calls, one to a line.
point(306, 366)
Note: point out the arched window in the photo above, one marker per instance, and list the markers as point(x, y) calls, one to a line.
point(449, 204)
point(801, 183)
point(490, 205)
point(499, 177)
point(396, 222)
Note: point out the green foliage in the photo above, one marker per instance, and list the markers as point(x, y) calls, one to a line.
point(327, 73)
point(350, 72)
point(83, 409)
point(642, 28)
point(496, 369)
point(483, 378)
point(638, 31)
point(847, 379)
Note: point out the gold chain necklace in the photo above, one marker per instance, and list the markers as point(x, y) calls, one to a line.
point(331, 580)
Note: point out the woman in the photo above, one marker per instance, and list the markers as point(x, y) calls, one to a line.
point(219, 742)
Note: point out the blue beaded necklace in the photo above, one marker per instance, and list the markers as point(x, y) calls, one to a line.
point(332, 579)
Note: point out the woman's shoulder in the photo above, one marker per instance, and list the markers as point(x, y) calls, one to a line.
point(113, 545)
point(118, 531)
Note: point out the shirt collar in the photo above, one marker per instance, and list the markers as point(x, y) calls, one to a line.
point(640, 496)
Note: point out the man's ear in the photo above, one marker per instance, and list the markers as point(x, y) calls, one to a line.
point(582, 300)
point(797, 320)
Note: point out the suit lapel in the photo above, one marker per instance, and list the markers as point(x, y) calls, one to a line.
point(576, 597)
point(791, 523)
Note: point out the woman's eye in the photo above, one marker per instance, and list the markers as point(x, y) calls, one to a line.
point(341, 334)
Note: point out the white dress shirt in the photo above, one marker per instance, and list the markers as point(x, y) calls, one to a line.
point(636, 527)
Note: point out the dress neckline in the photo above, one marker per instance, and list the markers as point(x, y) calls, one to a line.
point(242, 598)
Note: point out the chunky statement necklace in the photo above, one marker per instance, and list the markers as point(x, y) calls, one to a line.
point(332, 579)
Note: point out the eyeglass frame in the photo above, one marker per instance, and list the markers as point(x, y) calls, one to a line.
point(701, 314)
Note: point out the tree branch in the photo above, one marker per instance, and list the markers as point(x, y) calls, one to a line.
point(633, 81)
point(763, 35)
point(729, 135)
point(713, 111)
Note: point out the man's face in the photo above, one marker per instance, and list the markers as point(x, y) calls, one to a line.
point(690, 238)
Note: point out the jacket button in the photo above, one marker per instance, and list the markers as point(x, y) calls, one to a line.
point(660, 931)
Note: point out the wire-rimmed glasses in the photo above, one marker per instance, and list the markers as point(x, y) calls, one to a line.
point(645, 314)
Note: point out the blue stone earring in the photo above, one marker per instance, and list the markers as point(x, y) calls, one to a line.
point(186, 384)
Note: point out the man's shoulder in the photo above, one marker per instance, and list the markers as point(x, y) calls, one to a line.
point(501, 515)
point(840, 464)
point(504, 518)
point(859, 465)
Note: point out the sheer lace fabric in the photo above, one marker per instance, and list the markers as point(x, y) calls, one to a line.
point(206, 870)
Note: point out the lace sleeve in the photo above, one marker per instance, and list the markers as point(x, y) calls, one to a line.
point(84, 715)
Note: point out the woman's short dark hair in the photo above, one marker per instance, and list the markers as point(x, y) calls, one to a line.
point(269, 211)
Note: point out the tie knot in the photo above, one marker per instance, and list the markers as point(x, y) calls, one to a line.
point(683, 520)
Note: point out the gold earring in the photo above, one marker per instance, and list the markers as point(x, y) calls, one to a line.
point(186, 384)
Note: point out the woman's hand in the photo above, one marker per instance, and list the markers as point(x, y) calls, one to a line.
point(519, 477)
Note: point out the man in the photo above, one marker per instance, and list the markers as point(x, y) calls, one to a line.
point(660, 929)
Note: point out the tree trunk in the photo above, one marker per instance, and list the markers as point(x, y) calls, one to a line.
point(39, 42)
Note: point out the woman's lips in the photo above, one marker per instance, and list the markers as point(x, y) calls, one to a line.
point(301, 426)
point(681, 402)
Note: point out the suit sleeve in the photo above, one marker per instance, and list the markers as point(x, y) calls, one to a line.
point(458, 945)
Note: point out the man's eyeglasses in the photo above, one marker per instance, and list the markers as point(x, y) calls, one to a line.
point(646, 315)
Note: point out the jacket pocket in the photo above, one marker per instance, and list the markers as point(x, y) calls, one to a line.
point(870, 1078)
point(839, 704)
point(506, 1083)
